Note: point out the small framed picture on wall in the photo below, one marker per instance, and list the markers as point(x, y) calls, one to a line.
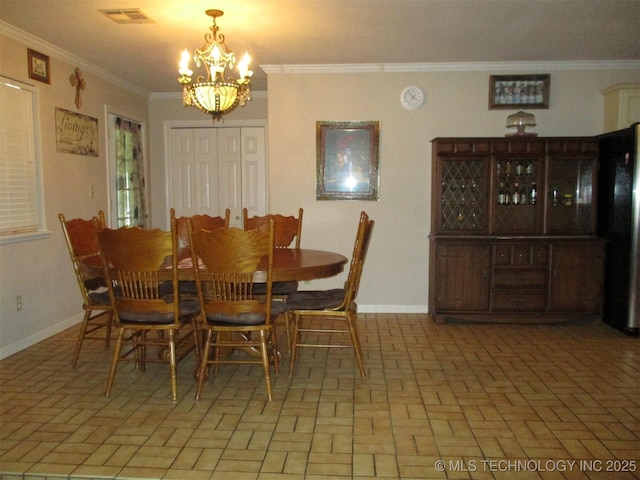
point(519, 91)
point(38, 66)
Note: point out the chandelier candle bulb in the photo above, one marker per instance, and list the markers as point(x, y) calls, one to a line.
point(243, 68)
point(184, 64)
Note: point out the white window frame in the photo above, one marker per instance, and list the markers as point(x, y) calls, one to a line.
point(35, 153)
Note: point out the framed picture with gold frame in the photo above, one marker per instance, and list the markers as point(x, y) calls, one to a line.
point(519, 91)
point(347, 155)
point(38, 66)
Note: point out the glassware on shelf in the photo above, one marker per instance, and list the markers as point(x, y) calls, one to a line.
point(523, 194)
point(529, 169)
point(533, 193)
point(508, 170)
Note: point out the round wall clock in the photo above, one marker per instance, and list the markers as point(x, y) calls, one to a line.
point(412, 97)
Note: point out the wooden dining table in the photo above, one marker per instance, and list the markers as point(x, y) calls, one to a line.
point(289, 264)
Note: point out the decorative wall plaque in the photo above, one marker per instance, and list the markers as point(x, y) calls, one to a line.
point(76, 133)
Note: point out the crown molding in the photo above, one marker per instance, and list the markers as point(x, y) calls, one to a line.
point(36, 43)
point(455, 67)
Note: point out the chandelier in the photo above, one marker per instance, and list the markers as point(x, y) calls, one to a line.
point(215, 95)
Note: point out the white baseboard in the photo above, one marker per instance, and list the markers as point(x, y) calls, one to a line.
point(40, 336)
point(393, 309)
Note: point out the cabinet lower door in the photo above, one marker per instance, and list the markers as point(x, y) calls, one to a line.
point(462, 277)
point(576, 278)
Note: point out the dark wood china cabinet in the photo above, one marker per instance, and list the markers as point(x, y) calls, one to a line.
point(513, 230)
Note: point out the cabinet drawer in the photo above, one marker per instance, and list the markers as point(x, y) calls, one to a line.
point(502, 255)
point(520, 255)
point(520, 277)
point(518, 301)
point(539, 255)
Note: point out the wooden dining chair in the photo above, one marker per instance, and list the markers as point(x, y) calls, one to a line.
point(142, 263)
point(200, 222)
point(340, 304)
point(231, 315)
point(84, 249)
point(288, 232)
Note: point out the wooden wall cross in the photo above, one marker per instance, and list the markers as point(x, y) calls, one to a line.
point(78, 82)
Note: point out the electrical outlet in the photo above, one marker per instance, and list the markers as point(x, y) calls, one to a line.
point(19, 302)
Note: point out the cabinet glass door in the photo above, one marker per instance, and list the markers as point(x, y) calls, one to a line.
point(516, 196)
point(570, 206)
point(463, 195)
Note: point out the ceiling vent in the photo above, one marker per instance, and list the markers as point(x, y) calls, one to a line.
point(127, 15)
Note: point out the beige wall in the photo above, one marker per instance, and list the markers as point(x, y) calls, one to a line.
point(395, 277)
point(396, 274)
point(40, 270)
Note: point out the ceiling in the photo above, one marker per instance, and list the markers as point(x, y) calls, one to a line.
point(331, 32)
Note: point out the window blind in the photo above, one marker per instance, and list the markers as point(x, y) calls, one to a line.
point(19, 186)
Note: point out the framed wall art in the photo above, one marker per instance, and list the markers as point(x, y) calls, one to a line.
point(76, 133)
point(38, 66)
point(519, 91)
point(347, 160)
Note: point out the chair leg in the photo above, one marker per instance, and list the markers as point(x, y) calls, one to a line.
point(114, 362)
point(203, 364)
point(264, 349)
point(295, 339)
point(273, 338)
point(216, 350)
point(355, 340)
point(81, 334)
point(196, 340)
point(173, 370)
point(107, 340)
point(287, 328)
point(136, 349)
point(143, 350)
